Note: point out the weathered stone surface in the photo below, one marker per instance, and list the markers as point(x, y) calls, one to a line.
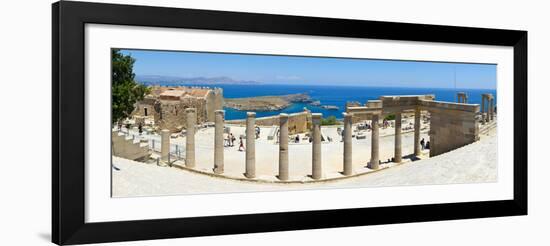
point(250, 145)
point(451, 129)
point(417, 148)
point(167, 105)
point(283, 147)
point(190, 137)
point(375, 135)
point(397, 150)
point(317, 166)
point(164, 145)
point(218, 141)
point(348, 153)
point(126, 148)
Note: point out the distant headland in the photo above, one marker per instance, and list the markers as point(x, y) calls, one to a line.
point(266, 103)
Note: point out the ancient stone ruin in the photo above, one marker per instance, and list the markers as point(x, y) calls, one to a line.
point(452, 125)
point(167, 105)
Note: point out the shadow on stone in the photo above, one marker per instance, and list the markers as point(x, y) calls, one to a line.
point(412, 157)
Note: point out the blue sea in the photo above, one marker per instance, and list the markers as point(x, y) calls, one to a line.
point(335, 95)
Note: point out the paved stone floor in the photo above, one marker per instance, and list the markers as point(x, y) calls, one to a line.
point(141, 179)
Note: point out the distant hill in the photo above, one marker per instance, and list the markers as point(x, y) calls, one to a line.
point(174, 81)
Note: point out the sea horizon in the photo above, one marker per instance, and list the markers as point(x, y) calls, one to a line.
point(330, 95)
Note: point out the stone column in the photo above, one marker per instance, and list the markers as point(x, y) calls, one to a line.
point(250, 145)
point(492, 109)
point(374, 157)
point(164, 145)
point(483, 109)
point(348, 143)
point(283, 147)
point(218, 141)
point(488, 110)
point(417, 149)
point(397, 150)
point(190, 137)
point(317, 166)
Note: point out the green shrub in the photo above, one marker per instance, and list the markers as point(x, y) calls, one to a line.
point(390, 117)
point(331, 120)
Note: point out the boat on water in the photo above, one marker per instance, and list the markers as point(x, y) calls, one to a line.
point(330, 107)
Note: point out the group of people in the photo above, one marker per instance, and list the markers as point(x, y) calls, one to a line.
point(230, 141)
point(424, 144)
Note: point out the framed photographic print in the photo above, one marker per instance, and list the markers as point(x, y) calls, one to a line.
point(177, 123)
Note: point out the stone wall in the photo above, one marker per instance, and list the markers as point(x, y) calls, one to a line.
point(168, 109)
point(127, 149)
point(170, 114)
point(452, 125)
point(297, 122)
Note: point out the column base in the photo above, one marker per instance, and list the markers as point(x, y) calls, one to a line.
point(217, 170)
point(349, 173)
point(371, 166)
point(282, 178)
point(316, 177)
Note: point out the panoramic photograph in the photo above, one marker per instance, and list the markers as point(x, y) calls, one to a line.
point(186, 122)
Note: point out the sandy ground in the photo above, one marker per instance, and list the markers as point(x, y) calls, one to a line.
point(473, 163)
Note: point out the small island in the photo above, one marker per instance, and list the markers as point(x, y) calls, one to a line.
point(266, 103)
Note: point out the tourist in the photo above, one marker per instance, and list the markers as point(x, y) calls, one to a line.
point(231, 139)
point(241, 144)
point(428, 145)
point(140, 128)
point(297, 139)
point(422, 143)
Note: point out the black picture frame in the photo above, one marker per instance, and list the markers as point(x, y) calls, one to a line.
point(68, 172)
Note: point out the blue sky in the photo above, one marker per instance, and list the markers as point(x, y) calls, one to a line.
point(313, 70)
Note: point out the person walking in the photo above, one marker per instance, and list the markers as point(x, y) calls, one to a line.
point(422, 143)
point(241, 144)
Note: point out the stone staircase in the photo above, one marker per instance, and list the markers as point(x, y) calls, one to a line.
point(485, 129)
point(129, 148)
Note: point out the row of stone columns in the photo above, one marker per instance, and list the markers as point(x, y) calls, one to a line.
point(461, 97)
point(283, 143)
point(487, 108)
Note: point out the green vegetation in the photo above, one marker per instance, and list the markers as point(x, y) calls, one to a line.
point(125, 90)
point(390, 117)
point(331, 120)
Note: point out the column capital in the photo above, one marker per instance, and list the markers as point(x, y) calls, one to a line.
point(316, 118)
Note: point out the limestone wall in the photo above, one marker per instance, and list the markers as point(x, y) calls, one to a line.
point(125, 148)
point(452, 125)
point(166, 105)
point(297, 122)
point(171, 114)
